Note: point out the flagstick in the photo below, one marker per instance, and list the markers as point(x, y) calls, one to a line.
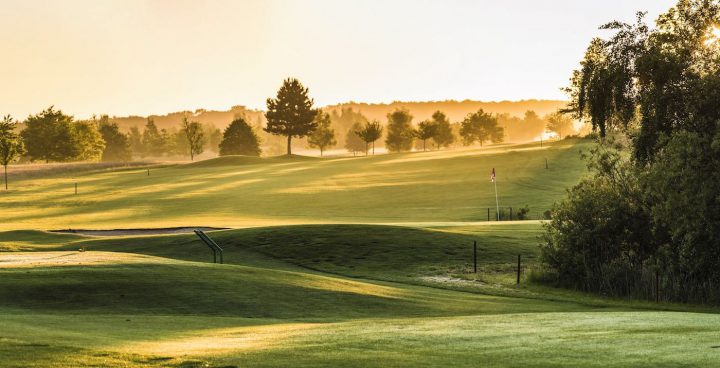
point(497, 204)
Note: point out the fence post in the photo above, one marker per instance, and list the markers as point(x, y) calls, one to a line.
point(148, 172)
point(518, 270)
point(75, 188)
point(546, 166)
point(510, 213)
point(488, 213)
point(474, 256)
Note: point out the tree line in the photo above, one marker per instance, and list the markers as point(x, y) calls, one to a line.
point(53, 136)
point(645, 223)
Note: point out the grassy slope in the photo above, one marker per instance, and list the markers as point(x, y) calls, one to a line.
point(333, 295)
point(431, 186)
point(268, 309)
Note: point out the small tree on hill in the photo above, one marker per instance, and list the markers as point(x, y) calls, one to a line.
point(11, 146)
point(353, 142)
point(444, 133)
point(291, 113)
point(323, 136)
point(193, 132)
point(426, 129)
point(400, 132)
point(239, 139)
point(480, 127)
point(371, 132)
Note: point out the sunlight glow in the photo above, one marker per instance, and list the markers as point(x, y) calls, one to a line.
point(713, 36)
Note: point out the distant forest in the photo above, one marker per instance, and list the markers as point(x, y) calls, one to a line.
point(512, 116)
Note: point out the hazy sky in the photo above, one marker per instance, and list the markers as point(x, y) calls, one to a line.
point(152, 57)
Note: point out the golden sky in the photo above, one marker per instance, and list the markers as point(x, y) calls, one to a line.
point(124, 57)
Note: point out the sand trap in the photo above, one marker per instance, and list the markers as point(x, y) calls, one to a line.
point(126, 232)
point(74, 258)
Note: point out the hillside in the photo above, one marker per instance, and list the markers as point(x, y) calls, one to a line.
point(433, 186)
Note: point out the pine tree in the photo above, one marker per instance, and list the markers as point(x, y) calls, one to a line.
point(291, 113)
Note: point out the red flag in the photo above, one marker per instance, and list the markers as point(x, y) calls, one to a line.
point(492, 176)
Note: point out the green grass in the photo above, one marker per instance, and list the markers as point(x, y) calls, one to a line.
point(319, 292)
point(241, 191)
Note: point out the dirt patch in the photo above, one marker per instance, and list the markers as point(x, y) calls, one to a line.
point(127, 232)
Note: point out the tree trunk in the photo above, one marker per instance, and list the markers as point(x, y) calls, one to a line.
point(289, 150)
point(423, 145)
point(366, 148)
point(321, 151)
point(6, 187)
point(373, 148)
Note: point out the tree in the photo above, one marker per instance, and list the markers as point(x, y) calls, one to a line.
point(153, 143)
point(559, 123)
point(291, 113)
point(50, 136)
point(426, 130)
point(117, 144)
point(323, 136)
point(195, 136)
point(11, 146)
point(650, 211)
point(480, 127)
point(136, 144)
point(90, 142)
point(344, 121)
point(214, 137)
point(353, 142)
point(400, 132)
point(239, 138)
point(444, 136)
point(371, 132)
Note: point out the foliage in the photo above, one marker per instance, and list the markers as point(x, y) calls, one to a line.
point(154, 143)
point(353, 142)
point(291, 113)
point(559, 123)
point(444, 136)
point(136, 144)
point(117, 144)
point(91, 142)
point(49, 136)
point(652, 81)
point(655, 205)
point(371, 132)
point(480, 127)
point(426, 130)
point(214, 137)
point(11, 146)
point(523, 213)
point(239, 138)
point(400, 132)
point(344, 124)
point(323, 136)
point(195, 137)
